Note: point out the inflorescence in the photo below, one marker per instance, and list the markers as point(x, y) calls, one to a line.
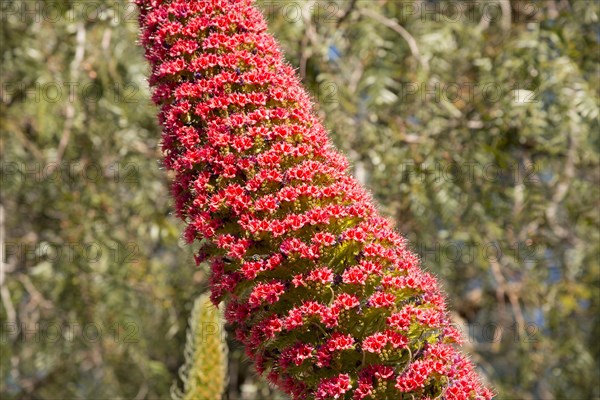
point(324, 294)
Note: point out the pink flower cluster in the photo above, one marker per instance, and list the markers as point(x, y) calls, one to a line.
point(327, 298)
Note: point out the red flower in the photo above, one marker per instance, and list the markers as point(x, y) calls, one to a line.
point(339, 341)
point(347, 301)
point(364, 390)
point(396, 339)
point(265, 293)
point(296, 354)
point(297, 248)
point(294, 319)
point(375, 343)
point(321, 275)
point(402, 319)
point(380, 299)
point(355, 275)
point(415, 377)
point(323, 238)
point(333, 388)
point(272, 326)
point(251, 268)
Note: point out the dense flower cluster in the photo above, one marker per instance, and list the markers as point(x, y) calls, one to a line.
point(326, 297)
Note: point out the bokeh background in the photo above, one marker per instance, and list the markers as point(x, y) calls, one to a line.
point(475, 125)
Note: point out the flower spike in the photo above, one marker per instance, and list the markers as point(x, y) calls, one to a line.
point(327, 298)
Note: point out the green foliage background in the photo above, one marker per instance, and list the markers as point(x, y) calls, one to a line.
point(475, 125)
